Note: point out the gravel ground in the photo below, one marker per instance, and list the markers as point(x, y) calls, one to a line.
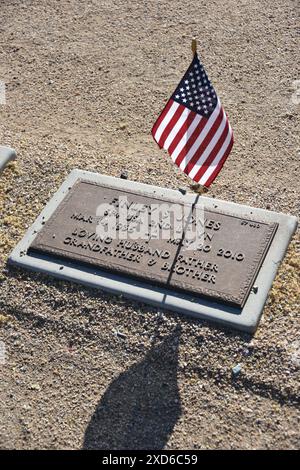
point(85, 81)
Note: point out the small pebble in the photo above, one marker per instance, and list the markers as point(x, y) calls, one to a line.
point(236, 369)
point(124, 175)
point(121, 335)
point(246, 352)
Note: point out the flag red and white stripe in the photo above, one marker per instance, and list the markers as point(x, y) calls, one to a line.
point(198, 144)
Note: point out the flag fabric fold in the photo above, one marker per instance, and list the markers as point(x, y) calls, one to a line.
point(193, 127)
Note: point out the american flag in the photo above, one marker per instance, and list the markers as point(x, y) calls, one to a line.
point(193, 127)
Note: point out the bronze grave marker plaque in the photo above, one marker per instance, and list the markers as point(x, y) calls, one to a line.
point(223, 267)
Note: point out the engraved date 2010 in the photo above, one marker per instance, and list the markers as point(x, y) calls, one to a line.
point(230, 255)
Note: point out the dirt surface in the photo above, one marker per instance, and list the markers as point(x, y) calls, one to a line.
point(85, 81)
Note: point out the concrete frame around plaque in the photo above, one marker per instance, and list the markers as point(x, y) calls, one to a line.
point(245, 318)
point(7, 154)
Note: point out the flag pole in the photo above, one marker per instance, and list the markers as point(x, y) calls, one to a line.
point(194, 46)
point(197, 188)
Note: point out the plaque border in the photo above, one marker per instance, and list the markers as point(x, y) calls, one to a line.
point(245, 318)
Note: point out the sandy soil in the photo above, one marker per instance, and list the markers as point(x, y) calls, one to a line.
point(85, 82)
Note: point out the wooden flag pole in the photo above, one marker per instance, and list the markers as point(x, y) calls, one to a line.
point(194, 46)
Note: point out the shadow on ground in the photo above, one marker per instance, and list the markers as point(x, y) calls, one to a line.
point(142, 405)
